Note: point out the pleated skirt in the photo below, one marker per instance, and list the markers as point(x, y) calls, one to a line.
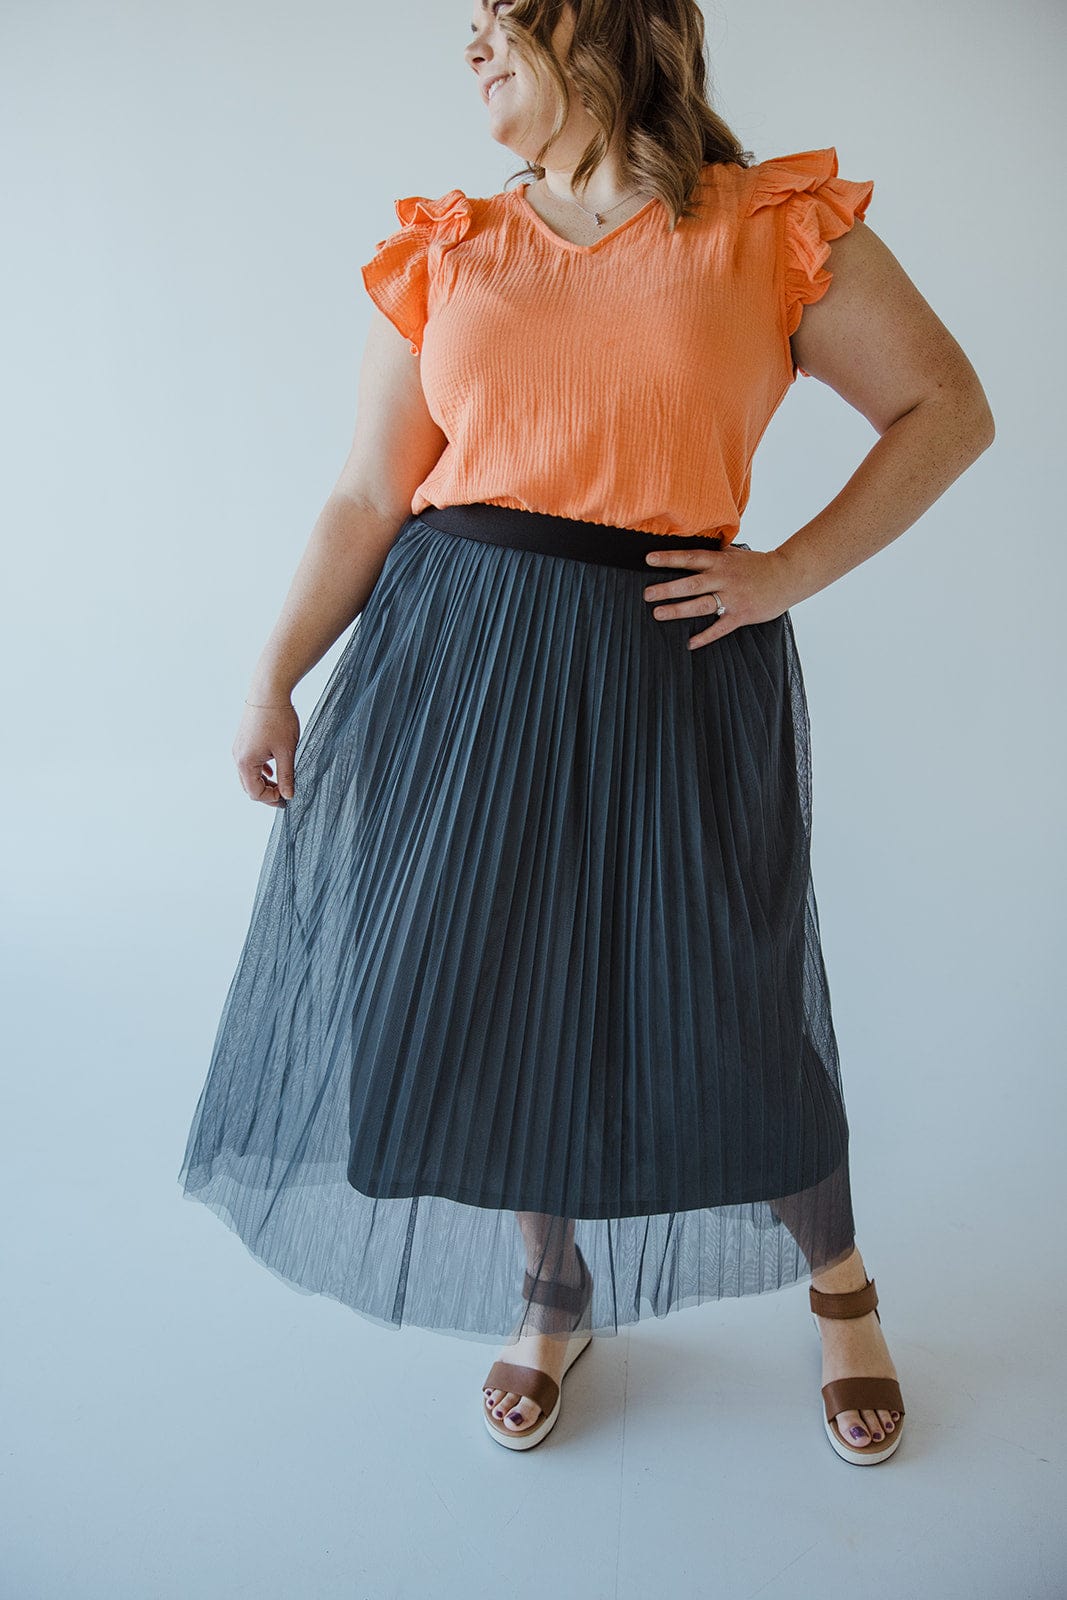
point(534, 956)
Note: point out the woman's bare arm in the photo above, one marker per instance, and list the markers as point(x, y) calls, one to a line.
point(395, 444)
point(875, 340)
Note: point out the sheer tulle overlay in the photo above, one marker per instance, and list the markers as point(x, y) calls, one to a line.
point(534, 962)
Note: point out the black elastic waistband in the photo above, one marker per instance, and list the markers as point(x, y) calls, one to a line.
point(561, 536)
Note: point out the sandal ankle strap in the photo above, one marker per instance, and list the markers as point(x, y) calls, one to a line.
point(561, 1296)
point(849, 1303)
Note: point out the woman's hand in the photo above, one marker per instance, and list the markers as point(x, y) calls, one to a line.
point(267, 733)
point(754, 586)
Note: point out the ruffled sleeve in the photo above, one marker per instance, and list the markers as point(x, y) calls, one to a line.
point(399, 275)
point(817, 207)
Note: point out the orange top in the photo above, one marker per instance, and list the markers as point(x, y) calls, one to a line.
point(627, 381)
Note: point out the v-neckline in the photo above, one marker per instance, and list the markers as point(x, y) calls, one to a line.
point(568, 244)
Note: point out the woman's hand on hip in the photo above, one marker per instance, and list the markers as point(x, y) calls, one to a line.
point(267, 733)
point(754, 586)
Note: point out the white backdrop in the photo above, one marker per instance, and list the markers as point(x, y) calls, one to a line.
point(189, 191)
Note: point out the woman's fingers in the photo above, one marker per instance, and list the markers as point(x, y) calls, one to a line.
point(284, 764)
point(264, 788)
point(750, 583)
point(258, 783)
point(265, 736)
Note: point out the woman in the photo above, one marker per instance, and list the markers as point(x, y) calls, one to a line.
point(531, 1033)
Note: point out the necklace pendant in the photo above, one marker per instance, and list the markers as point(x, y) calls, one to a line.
point(599, 219)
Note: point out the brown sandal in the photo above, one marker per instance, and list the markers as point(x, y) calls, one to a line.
point(531, 1381)
point(856, 1394)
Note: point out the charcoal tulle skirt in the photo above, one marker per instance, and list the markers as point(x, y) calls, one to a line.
point(534, 957)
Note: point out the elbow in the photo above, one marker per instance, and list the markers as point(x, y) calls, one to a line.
point(969, 417)
point(982, 424)
point(976, 415)
point(974, 431)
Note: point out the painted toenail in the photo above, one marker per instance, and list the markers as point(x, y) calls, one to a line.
point(877, 1436)
point(889, 1427)
point(858, 1433)
point(516, 1416)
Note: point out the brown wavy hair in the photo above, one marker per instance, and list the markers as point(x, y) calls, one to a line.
point(638, 67)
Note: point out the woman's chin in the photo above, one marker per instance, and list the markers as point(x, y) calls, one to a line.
point(506, 136)
point(509, 127)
